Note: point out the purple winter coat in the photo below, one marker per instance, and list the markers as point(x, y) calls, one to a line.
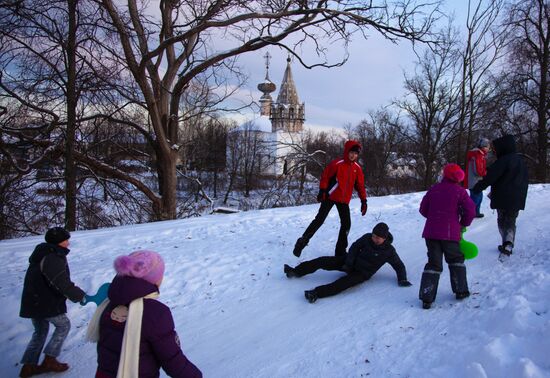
point(447, 208)
point(159, 345)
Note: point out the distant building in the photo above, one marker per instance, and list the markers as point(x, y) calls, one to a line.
point(278, 127)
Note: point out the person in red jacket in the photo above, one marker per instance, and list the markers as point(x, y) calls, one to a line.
point(476, 169)
point(338, 180)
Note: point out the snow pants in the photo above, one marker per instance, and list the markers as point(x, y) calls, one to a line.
point(345, 224)
point(432, 270)
point(506, 221)
point(330, 263)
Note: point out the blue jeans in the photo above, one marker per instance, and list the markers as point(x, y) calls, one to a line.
point(477, 198)
point(62, 326)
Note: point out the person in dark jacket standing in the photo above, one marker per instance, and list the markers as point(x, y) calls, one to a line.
point(476, 169)
point(45, 291)
point(366, 256)
point(136, 333)
point(447, 208)
point(509, 180)
point(338, 180)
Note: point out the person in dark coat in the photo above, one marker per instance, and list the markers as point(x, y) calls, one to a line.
point(338, 181)
point(447, 209)
point(136, 332)
point(45, 291)
point(509, 180)
point(366, 256)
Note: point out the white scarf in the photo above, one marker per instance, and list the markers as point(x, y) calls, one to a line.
point(128, 365)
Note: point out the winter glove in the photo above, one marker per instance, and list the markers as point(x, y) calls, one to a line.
point(463, 230)
point(363, 207)
point(322, 196)
point(404, 283)
point(85, 300)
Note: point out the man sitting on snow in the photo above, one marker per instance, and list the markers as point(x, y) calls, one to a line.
point(366, 255)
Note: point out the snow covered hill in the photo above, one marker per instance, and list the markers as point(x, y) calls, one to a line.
point(239, 316)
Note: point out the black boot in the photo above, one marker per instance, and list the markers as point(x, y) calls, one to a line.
point(426, 305)
point(289, 271)
point(462, 295)
point(428, 286)
point(459, 283)
point(299, 246)
point(311, 295)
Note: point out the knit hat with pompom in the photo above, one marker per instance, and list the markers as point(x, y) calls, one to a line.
point(147, 265)
point(453, 172)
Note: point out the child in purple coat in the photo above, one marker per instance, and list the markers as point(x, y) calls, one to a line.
point(447, 208)
point(136, 331)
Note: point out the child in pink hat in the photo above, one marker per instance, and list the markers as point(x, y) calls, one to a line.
point(136, 333)
point(447, 208)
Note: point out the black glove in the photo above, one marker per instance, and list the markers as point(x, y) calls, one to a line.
point(364, 207)
point(404, 283)
point(322, 196)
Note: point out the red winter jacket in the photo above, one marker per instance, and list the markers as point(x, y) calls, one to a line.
point(341, 176)
point(476, 167)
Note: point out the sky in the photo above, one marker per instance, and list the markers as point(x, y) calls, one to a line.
point(239, 316)
point(336, 97)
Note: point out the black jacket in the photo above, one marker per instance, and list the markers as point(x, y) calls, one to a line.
point(48, 283)
point(367, 257)
point(507, 177)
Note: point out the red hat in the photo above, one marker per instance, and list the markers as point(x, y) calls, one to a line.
point(453, 172)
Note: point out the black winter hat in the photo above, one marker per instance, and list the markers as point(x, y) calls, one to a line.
point(381, 229)
point(355, 148)
point(56, 235)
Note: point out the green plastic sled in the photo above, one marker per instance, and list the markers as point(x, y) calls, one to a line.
point(468, 249)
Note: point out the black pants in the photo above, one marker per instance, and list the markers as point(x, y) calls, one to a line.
point(345, 224)
point(330, 263)
point(437, 249)
point(506, 221)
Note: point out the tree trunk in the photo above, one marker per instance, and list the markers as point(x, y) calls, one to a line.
point(165, 209)
point(70, 167)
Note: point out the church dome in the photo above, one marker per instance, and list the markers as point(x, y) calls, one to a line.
point(267, 86)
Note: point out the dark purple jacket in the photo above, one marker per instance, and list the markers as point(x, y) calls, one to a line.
point(447, 208)
point(159, 345)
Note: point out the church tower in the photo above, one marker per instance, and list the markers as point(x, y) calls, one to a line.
point(287, 114)
point(266, 88)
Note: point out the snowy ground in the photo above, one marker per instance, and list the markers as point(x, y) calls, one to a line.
point(239, 316)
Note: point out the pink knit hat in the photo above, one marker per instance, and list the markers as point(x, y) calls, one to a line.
point(453, 172)
point(147, 265)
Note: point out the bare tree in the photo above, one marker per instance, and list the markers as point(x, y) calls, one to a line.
point(44, 69)
point(166, 50)
point(379, 135)
point(529, 74)
point(431, 106)
point(482, 50)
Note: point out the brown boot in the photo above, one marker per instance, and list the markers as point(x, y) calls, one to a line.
point(50, 364)
point(28, 370)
